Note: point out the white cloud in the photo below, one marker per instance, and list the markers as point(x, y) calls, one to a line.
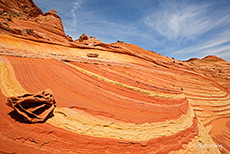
point(75, 6)
point(182, 24)
point(219, 49)
point(184, 21)
point(212, 44)
point(192, 29)
point(218, 45)
point(94, 24)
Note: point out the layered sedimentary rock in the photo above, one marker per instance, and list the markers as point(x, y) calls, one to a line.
point(85, 40)
point(25, 7)
point(134, 102)
point(33, 107)
point(126, 100)
point(213, 67)
point(25, 19)
point(127, 113)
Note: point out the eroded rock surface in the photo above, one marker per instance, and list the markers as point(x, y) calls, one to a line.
point(33, 107)
point(92, 55)
point(84, 39)
point(16, 7)
point(20, 17)
point(214, 68)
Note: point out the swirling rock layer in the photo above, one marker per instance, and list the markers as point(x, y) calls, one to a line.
point(128, 106)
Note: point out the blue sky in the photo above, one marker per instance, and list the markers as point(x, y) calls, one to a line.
point(175, 28)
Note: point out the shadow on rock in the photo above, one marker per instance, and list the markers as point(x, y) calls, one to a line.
point(32, 108)
point(18, 117)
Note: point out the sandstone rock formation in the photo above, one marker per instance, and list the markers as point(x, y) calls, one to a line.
point(129, 100)
point(17, 8)
point(17, 17)
point(93, 55)
point(84, 39)
point(214, 68)
point(33, 107)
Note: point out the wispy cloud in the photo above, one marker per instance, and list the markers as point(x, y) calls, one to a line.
point(218, 44)
point(175, 28)
point(192, 29)
point(94, 24)
point(75, 6)
point(218, 40)
point(182, 20)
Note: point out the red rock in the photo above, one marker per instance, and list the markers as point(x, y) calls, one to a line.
point(25, 14)
point(215, 68)
point(33, 107)
point(83, 37)
point(20, 7)
point(53, 13)
point(93, 55)
point(212, 58)
point(69, 38)
point(89, 41)
point(193, 60)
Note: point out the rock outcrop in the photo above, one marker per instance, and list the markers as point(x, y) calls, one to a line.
point(84, 39)
point(92, 55)
point(33, 107)
point(51, 21)
point(17, 17)
point(18, 8)
point(214, 68)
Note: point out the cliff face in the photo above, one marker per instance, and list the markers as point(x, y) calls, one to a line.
point(122, 99)
point(24, 19)
point(17, 7)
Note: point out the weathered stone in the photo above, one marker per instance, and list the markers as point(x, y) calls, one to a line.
point(34, 107)
point(92, 55)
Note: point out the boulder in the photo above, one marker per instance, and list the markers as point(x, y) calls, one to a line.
point(33, 107)
point(92, 55)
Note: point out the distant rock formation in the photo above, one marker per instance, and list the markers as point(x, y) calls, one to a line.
point(69, 38)
point(213, 58)
point(84, 39)
point(212, 67)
